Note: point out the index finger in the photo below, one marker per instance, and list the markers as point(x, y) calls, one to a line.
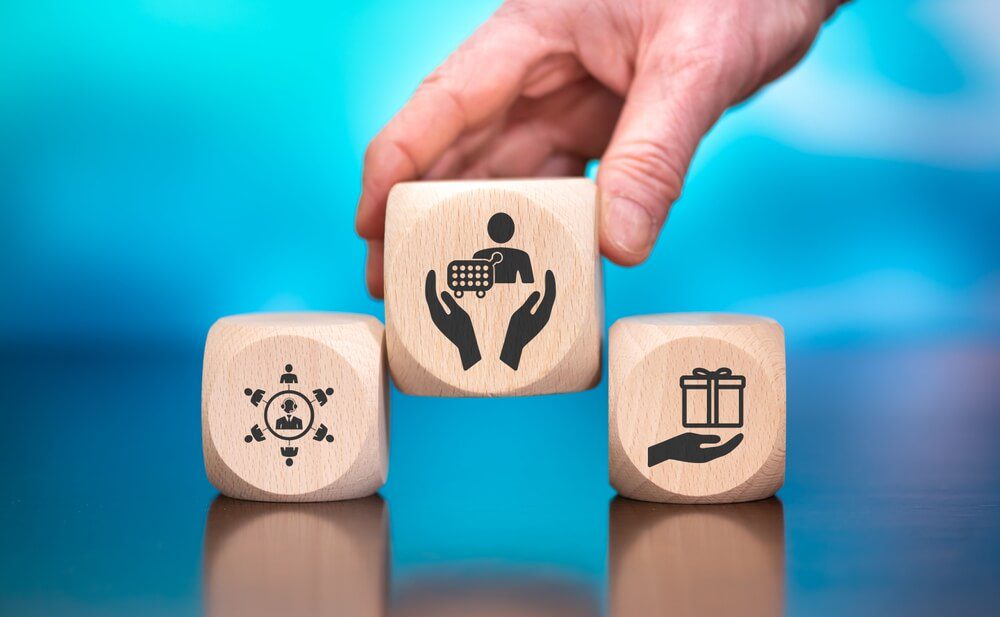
point(482, 78)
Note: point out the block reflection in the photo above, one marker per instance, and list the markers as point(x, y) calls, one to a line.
point(504, 595)
point(296, 559)
point(696, 559)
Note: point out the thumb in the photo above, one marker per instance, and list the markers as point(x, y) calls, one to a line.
point(450, 302)
point(530, 302)
point(666, 113)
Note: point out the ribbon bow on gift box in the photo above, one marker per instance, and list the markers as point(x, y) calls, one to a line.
point(707, 374)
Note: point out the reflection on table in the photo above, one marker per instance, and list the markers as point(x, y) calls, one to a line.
point(497, 595)
point(696, 559)
point(296, 559)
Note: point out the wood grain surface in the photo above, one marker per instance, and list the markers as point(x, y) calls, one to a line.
point(339, 396)
point(443, 338)
point(649, 356)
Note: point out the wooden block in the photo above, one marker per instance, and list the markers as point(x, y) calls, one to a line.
point(493, 288)
point(697, 407)
point(296, 559)
point(295, 406)
point(699, 560)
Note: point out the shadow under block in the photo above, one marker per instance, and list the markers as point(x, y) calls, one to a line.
point(305, 559)
point(493, 288)
point(295, 406)
point(696, 407)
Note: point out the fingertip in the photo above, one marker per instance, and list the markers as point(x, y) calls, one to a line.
point(376, 288)
point(387, 163)
point(374, 274)
point(628, 231)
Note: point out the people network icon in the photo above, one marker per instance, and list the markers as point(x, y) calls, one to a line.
point(289, 415)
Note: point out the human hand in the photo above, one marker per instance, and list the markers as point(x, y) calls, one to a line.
point(525, 325)
point(686, 448)
point(546, 85)
point(456, 324)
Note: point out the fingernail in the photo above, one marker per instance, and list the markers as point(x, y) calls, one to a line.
point(630, 226)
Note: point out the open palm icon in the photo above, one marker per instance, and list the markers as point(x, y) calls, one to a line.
point(687, 448)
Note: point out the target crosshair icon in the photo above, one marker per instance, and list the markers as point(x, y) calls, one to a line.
point(289, 414)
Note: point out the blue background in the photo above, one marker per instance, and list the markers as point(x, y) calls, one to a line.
point(166, 163)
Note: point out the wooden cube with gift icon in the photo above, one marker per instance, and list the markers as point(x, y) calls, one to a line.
point(696, 407)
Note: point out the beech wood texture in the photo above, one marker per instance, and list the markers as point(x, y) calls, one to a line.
point(696, 407)
point(493, 288)
point(268, 559)
point(295, 406)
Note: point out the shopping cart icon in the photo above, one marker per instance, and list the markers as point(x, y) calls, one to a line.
point(472, 275)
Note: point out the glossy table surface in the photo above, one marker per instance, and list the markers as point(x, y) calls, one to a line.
point(502, 507)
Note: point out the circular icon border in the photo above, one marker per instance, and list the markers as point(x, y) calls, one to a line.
point(267, 417)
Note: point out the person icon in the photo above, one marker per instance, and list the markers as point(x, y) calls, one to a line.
point(322, 396)
point(515, 261)
point(255, 396)
point(289, 451)
point(289, 422)
point(289, 376)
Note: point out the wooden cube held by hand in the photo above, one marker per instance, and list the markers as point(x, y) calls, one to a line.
point(493, 288)
point(696, 407)
point(295, 406)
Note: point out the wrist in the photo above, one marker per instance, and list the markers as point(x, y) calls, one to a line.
point(511, 354)
point(470, 355)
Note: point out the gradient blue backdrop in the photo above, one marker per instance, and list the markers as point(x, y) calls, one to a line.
point(165, 163)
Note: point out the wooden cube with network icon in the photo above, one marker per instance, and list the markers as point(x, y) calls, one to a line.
point(696, 407)
point(295, 406)
point(493, 288)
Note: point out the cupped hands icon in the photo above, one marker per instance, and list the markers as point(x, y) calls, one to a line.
point(525, 323)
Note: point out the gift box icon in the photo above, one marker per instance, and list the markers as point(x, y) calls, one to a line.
point(712, 398)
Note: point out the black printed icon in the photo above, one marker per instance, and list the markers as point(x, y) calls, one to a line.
point(453, 323)
point(472, 275)
point(489, 267)
point(289, 415)
point(256, 396)
point(687, 448)
point(722, 394)
point(527, 322)
point(512, 262)
point(723, 399)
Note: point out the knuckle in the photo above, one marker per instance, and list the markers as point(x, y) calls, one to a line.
point(441, 88)
point(715, 65)
point(648, 174)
